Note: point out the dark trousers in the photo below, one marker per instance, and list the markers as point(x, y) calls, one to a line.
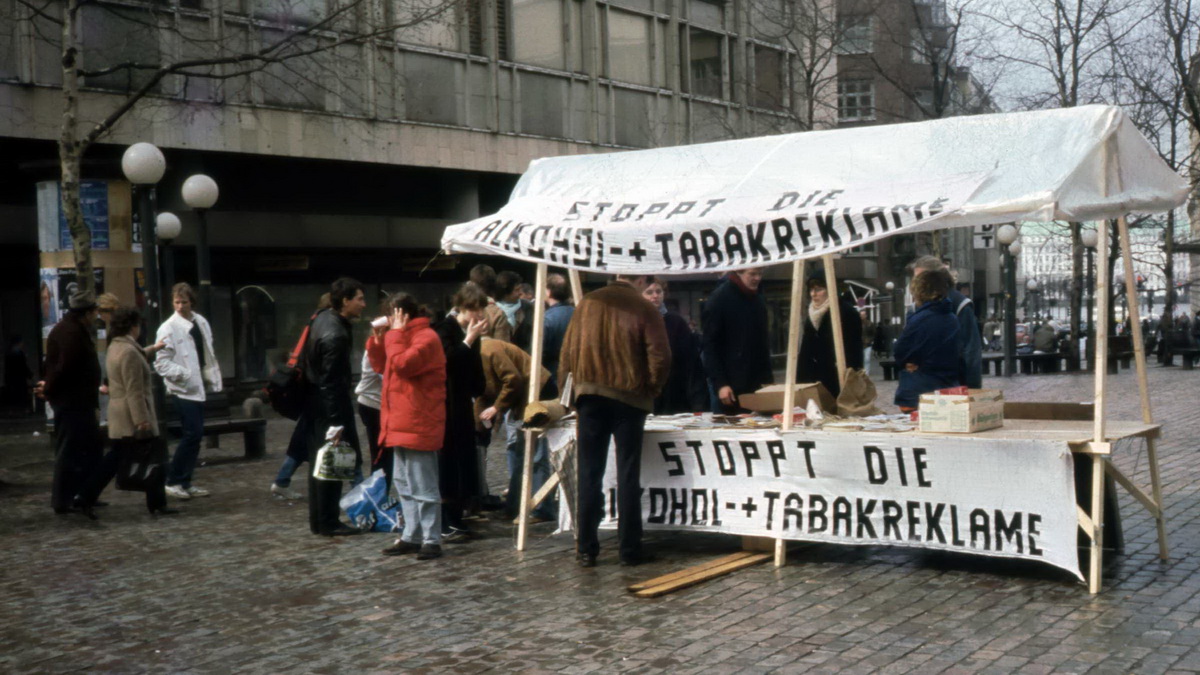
point(602, 419)
point(156, 495)
point(191, 421)
point(78, 447)
point(370, 420)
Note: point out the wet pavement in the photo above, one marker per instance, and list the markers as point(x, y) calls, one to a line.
point(236, 583)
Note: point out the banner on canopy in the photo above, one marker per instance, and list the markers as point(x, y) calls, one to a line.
point(994, 497)
point(702, 232)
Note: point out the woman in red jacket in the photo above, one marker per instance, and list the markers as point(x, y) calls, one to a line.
point(412, 421)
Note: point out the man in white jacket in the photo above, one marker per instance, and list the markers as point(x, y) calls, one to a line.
point(188, 367)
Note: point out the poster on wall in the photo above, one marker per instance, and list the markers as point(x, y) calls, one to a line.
point(48, 299)
point(68, 283)
point(93, 202)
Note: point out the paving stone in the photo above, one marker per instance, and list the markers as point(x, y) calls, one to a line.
point(236, 583)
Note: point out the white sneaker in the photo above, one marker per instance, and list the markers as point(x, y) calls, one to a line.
point(197, 491)
point(178, 492)
point(285, 493)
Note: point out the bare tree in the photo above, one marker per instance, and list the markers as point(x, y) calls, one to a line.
point(291, 43)
point(1066, 43)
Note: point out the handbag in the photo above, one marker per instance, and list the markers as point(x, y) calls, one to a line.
point(335, 460)
point(141, 463)
point(286, 387)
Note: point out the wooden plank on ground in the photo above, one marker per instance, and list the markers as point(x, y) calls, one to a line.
point(699, 574)
point(657, 581)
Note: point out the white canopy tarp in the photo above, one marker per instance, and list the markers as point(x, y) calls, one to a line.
point(759, 201)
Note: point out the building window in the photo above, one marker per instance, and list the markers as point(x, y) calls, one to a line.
point(538, 34)
point(710, 13)
point(857, 35)
point(768, 78)
point(856, 100)
point(705, 67)
point(476, 27)
point(628, 46)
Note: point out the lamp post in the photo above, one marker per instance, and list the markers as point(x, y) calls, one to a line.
point(144, 165)
point(200, 192)
point(1034, 295)
point(1007, 237)
point(1089, 239)
point(168, 227)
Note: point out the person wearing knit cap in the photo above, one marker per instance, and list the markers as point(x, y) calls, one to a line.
point(72, 388)
point(818, 358)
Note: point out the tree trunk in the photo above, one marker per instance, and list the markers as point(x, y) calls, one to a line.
point(1075, 302)
point(1169, 266)
point(70, 152)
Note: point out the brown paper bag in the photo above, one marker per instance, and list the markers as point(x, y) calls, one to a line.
point(543, 413)
point(858, 395)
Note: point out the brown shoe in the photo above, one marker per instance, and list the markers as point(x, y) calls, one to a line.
point(429, 552)
point(401, 547)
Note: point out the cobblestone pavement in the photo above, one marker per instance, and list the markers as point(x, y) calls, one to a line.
point(236, 583)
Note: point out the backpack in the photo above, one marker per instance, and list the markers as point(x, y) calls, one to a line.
point(287, 387)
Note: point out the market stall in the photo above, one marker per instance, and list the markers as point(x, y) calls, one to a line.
point(784, 199)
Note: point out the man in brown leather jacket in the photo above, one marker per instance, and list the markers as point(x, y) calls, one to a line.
point(617, 352)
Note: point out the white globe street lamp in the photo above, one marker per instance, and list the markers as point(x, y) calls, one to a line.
point(167, 226)
point(890, 286)
point(200, 192)
point(1014, 248)
point(143, 164)
point(1007, 234)
point(1031, 284)
point(1088, 238)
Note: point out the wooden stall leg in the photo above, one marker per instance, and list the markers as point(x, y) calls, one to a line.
point(780, 552)
point(1096, 560)
point(531, 437)
point(1156, 492)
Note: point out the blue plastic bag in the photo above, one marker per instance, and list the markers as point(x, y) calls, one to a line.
point(369, 505)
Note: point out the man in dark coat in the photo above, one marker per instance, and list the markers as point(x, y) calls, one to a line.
point(331, 397)
point(737, 355)
point(685, 390)
point(72, 387)
point(458, 461)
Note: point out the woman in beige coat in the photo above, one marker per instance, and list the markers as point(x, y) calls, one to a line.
point(131, 413)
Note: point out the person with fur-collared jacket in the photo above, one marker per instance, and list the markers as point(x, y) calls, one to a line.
point(617, 352)
point(189, 368)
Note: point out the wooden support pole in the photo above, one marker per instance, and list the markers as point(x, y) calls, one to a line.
point(789, 376)
point(1095, 560)
point(576, 286)
point(835, 315)
point(535, 369)
point(1139, 354)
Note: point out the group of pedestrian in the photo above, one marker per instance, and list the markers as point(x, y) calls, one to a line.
point(182, 355)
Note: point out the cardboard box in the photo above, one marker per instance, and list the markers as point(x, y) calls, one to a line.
point(769, 399)
point(979, 410)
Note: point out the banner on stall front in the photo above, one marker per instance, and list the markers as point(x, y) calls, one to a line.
point(994, 497)
point(710, 230)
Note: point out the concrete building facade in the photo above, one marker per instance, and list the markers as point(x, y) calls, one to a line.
point(350, 157)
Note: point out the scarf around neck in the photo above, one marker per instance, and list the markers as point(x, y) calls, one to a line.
point(817, 314)
point(510, 310)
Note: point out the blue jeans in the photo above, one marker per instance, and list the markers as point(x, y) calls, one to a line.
point(191, 418)
point(516, 465)
point(415, 473)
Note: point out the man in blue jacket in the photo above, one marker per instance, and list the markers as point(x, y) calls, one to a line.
point(970, 343)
